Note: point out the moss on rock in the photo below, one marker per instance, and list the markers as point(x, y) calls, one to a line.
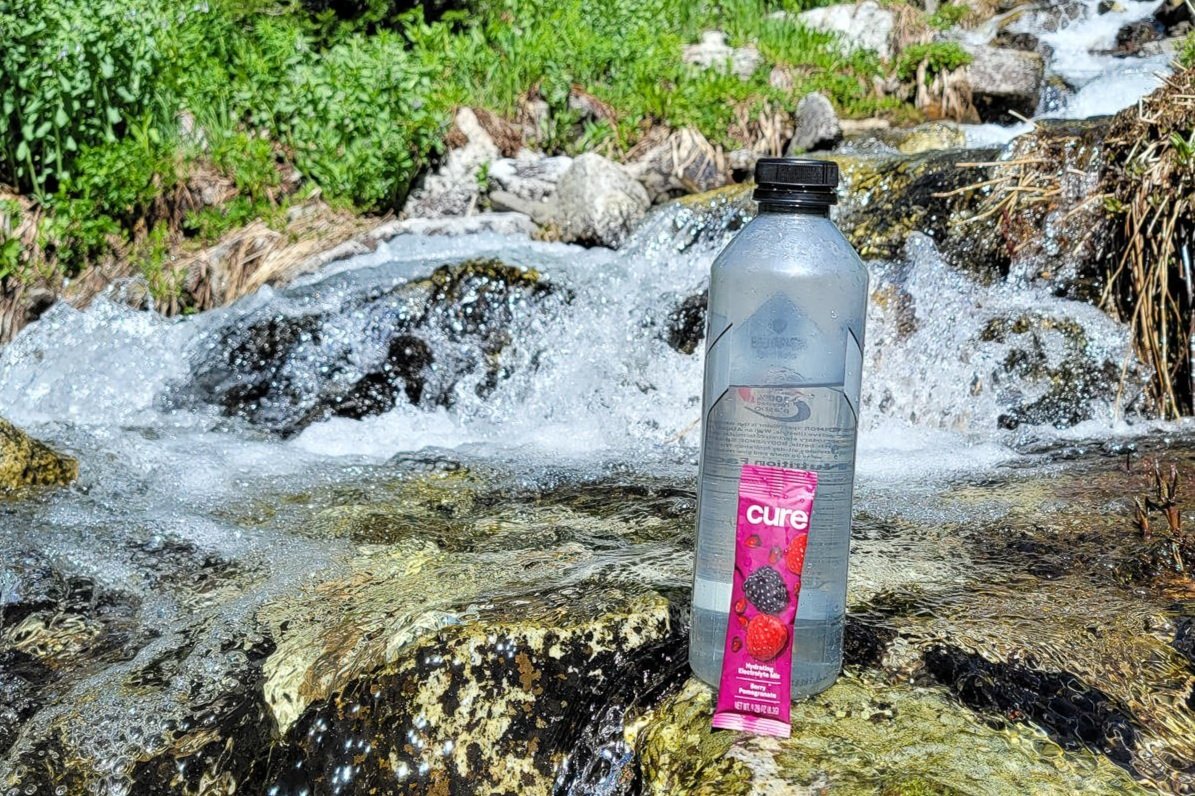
point(26, 462)
point(862, 736)
point(485, 706)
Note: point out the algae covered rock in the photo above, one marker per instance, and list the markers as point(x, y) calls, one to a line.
point(495, 704)
point(885, 198)
point(26, 462)
point(861, 736)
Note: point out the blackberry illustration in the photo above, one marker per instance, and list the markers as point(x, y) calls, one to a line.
point(765, 590)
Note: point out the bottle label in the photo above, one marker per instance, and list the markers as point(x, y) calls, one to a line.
point(775, 510)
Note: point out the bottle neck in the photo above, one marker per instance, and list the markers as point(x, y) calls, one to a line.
point(795, 208)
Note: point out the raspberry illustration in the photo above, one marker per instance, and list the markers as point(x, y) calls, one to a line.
point(740, 605)
point(794, 559)
point(736, 644)
point(766, 637)
point(765, 590)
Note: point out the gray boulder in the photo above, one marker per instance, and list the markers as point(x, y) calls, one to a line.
point(816, 125)
point(529, 175)
point(598, 201)
point(712, 52)
point(454, 189)
point(684, 162)
point(1004, 82)
point(865, 25)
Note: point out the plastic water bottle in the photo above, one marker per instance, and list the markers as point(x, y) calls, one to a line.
point(784, 350)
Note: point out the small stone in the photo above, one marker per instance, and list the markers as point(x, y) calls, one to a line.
point(741, 162)
point(26, 462)
point(1004, 83)
point(817, 125)
point(1132, 38)
point(598, 201)
point(454, 189)
point(529, 175)
point(1172, 15)
point(932, 136)
point(712, 52)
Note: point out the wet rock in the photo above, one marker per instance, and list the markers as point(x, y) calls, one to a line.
point(1020, 40)
point(598, 202)
point(529, 176)
point(864, 25)
point(224, 745)
point(927, 137)
point(493, 705)
point(1053, 354)
point(865, 640)
point(861, 736)
point(23, 678)
point(54, 627)
point(26, 462)
point(699, 220)
point(1184, 639)
point(454, 190)
point(1175, 17)
point(1004, 82)
point(685, 162)
point(1050, 16)
point(886, 198)
point(686, 323)
point(1133, 37)
point(1052, 232)
point(713, 52)
point(289, 363)
point(816, 125)
point(1073, 713)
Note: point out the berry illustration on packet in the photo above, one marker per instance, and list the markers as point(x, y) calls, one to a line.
point(775, 511)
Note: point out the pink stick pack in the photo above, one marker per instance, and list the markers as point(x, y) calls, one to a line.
point(775, 509)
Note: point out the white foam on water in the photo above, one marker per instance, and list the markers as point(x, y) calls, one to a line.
point(103, 365)
point(1104, 83)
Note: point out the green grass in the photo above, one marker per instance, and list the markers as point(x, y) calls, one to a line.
point(358, 104)
point(1186, 51)
point(938, 56)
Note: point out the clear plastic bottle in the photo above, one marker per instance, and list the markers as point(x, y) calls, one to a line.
point(784, 350)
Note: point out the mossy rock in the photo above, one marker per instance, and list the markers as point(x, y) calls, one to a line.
point(861, 736)
point(495, 704)
point(886, 198)
point(26, 462)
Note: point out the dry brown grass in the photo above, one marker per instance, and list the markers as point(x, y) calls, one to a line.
point(1150, 188)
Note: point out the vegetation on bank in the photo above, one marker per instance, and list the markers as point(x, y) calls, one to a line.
point(119, 110)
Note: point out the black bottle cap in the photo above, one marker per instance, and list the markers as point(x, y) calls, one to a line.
point(796, 181)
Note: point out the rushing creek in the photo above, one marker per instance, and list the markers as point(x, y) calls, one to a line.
point(423, 520)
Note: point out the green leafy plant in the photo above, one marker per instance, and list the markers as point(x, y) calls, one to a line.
point(939, 56)
point(73, 74)
point(10, 246)
point(1186, 51)
point(948, 16)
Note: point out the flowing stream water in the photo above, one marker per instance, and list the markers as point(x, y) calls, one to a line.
point(188, 524)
